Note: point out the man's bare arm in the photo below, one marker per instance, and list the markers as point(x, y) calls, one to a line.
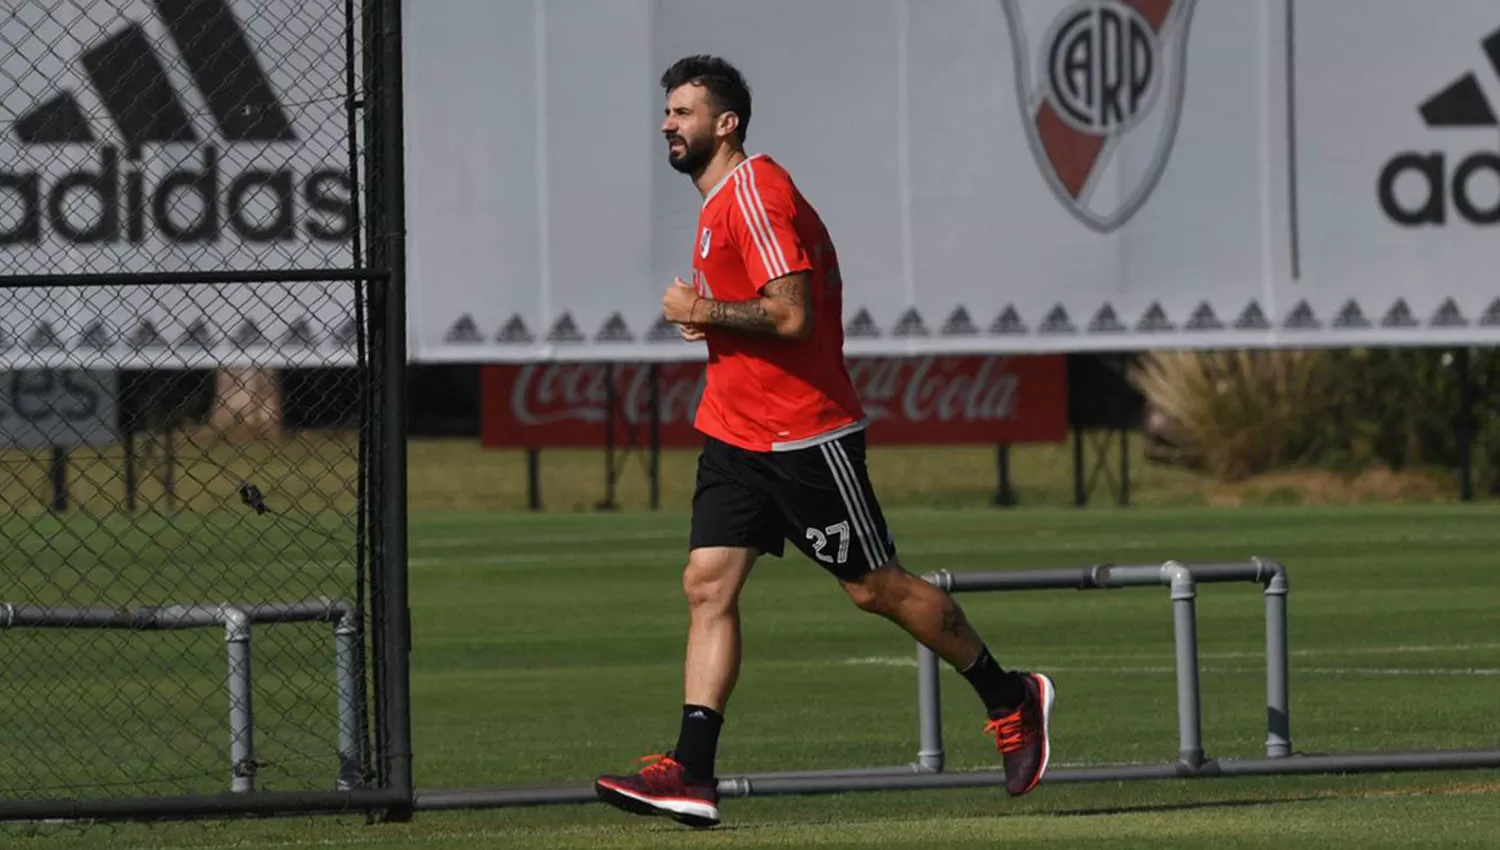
point(783, 309)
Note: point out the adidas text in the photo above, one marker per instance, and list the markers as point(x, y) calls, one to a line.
point(1419, 189)
point(116, 202)
point(1466, 188)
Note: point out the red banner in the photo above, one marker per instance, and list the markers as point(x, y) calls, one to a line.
point(910, 400)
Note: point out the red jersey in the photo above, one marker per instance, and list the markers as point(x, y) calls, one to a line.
point(768, 393)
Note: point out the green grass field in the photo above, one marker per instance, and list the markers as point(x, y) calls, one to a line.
point(548, 647)
point(316, 470)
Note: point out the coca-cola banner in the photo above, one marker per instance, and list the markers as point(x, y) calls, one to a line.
point(986, 399)
point(999, 176)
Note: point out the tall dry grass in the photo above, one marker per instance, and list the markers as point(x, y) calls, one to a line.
point(1235, 414)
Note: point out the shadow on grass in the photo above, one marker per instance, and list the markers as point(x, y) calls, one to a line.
point(1250, 802)
point(1195, 805)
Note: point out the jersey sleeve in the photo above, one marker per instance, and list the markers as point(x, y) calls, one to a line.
point(762, 222)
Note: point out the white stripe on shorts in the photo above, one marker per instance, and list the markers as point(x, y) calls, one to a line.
point(860, 516)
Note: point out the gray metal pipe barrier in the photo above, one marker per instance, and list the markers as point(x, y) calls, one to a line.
point(910, 779)
point(241, 711)
point(1182, 581)
point(236, 621)
point(927, 772)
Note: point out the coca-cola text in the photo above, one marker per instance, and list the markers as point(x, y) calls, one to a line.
point(915, 400)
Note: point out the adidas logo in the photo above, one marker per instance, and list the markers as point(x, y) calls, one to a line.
point(125, 197)
point(1446, 190)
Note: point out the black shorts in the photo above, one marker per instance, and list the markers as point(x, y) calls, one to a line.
point(819, 497)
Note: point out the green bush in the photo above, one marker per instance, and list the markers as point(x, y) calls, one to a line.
point(1234, 414)
point(1237, 414)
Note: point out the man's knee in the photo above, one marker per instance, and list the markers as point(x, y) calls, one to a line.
point(713, 577)
point(881, 590)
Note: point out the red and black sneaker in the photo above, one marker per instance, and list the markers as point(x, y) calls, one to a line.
point(1021, 736)
point(663, 788)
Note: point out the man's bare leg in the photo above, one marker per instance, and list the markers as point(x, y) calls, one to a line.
point(712, 582)
point(933, 617)
point(924, 610)
point(1018, 705)
point(683, 785)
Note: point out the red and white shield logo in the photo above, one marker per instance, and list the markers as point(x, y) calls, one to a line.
point(1100, 86)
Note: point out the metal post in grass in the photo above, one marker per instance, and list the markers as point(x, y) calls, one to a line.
point(1465, 425)
point(654, 463)
point(58, 475)
point(930, 714)
point(169, 468)
point(1278, 667)
point(1005, 495)
point(1080, 494)
point(1183, 591)
point(1185, 633)
point(611, 411)
point(534, 479)
point(350, 700)
point(241, 708)
point(129, 471)
point(394, 613)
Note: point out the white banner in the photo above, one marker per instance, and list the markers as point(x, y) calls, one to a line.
point(999, 175)
point(152, 136)
point(58, 407)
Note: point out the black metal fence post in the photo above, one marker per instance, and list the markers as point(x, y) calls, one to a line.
point(1465, 425)
point(654, 463)
point(394, 613)
point(534, 479)
point(611, 412)
point(58, 475)
point(1005, 495)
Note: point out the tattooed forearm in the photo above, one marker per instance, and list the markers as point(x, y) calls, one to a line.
point(791, 291)
point(782, 310)
point(741, 315)
point(793, 309)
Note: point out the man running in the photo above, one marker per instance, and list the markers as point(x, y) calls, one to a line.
point(784, 451)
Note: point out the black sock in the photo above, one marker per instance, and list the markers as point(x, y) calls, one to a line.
point(1002, 692)
point(698, 742)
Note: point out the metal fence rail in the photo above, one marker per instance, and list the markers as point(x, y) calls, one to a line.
point(237, 622)
point(1183, 582)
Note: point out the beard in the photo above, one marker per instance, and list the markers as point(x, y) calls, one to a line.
point(693, 158)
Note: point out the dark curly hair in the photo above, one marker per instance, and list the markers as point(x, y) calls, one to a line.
point(727, 89)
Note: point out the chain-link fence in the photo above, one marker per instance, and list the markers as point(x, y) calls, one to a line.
point(194, 357)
